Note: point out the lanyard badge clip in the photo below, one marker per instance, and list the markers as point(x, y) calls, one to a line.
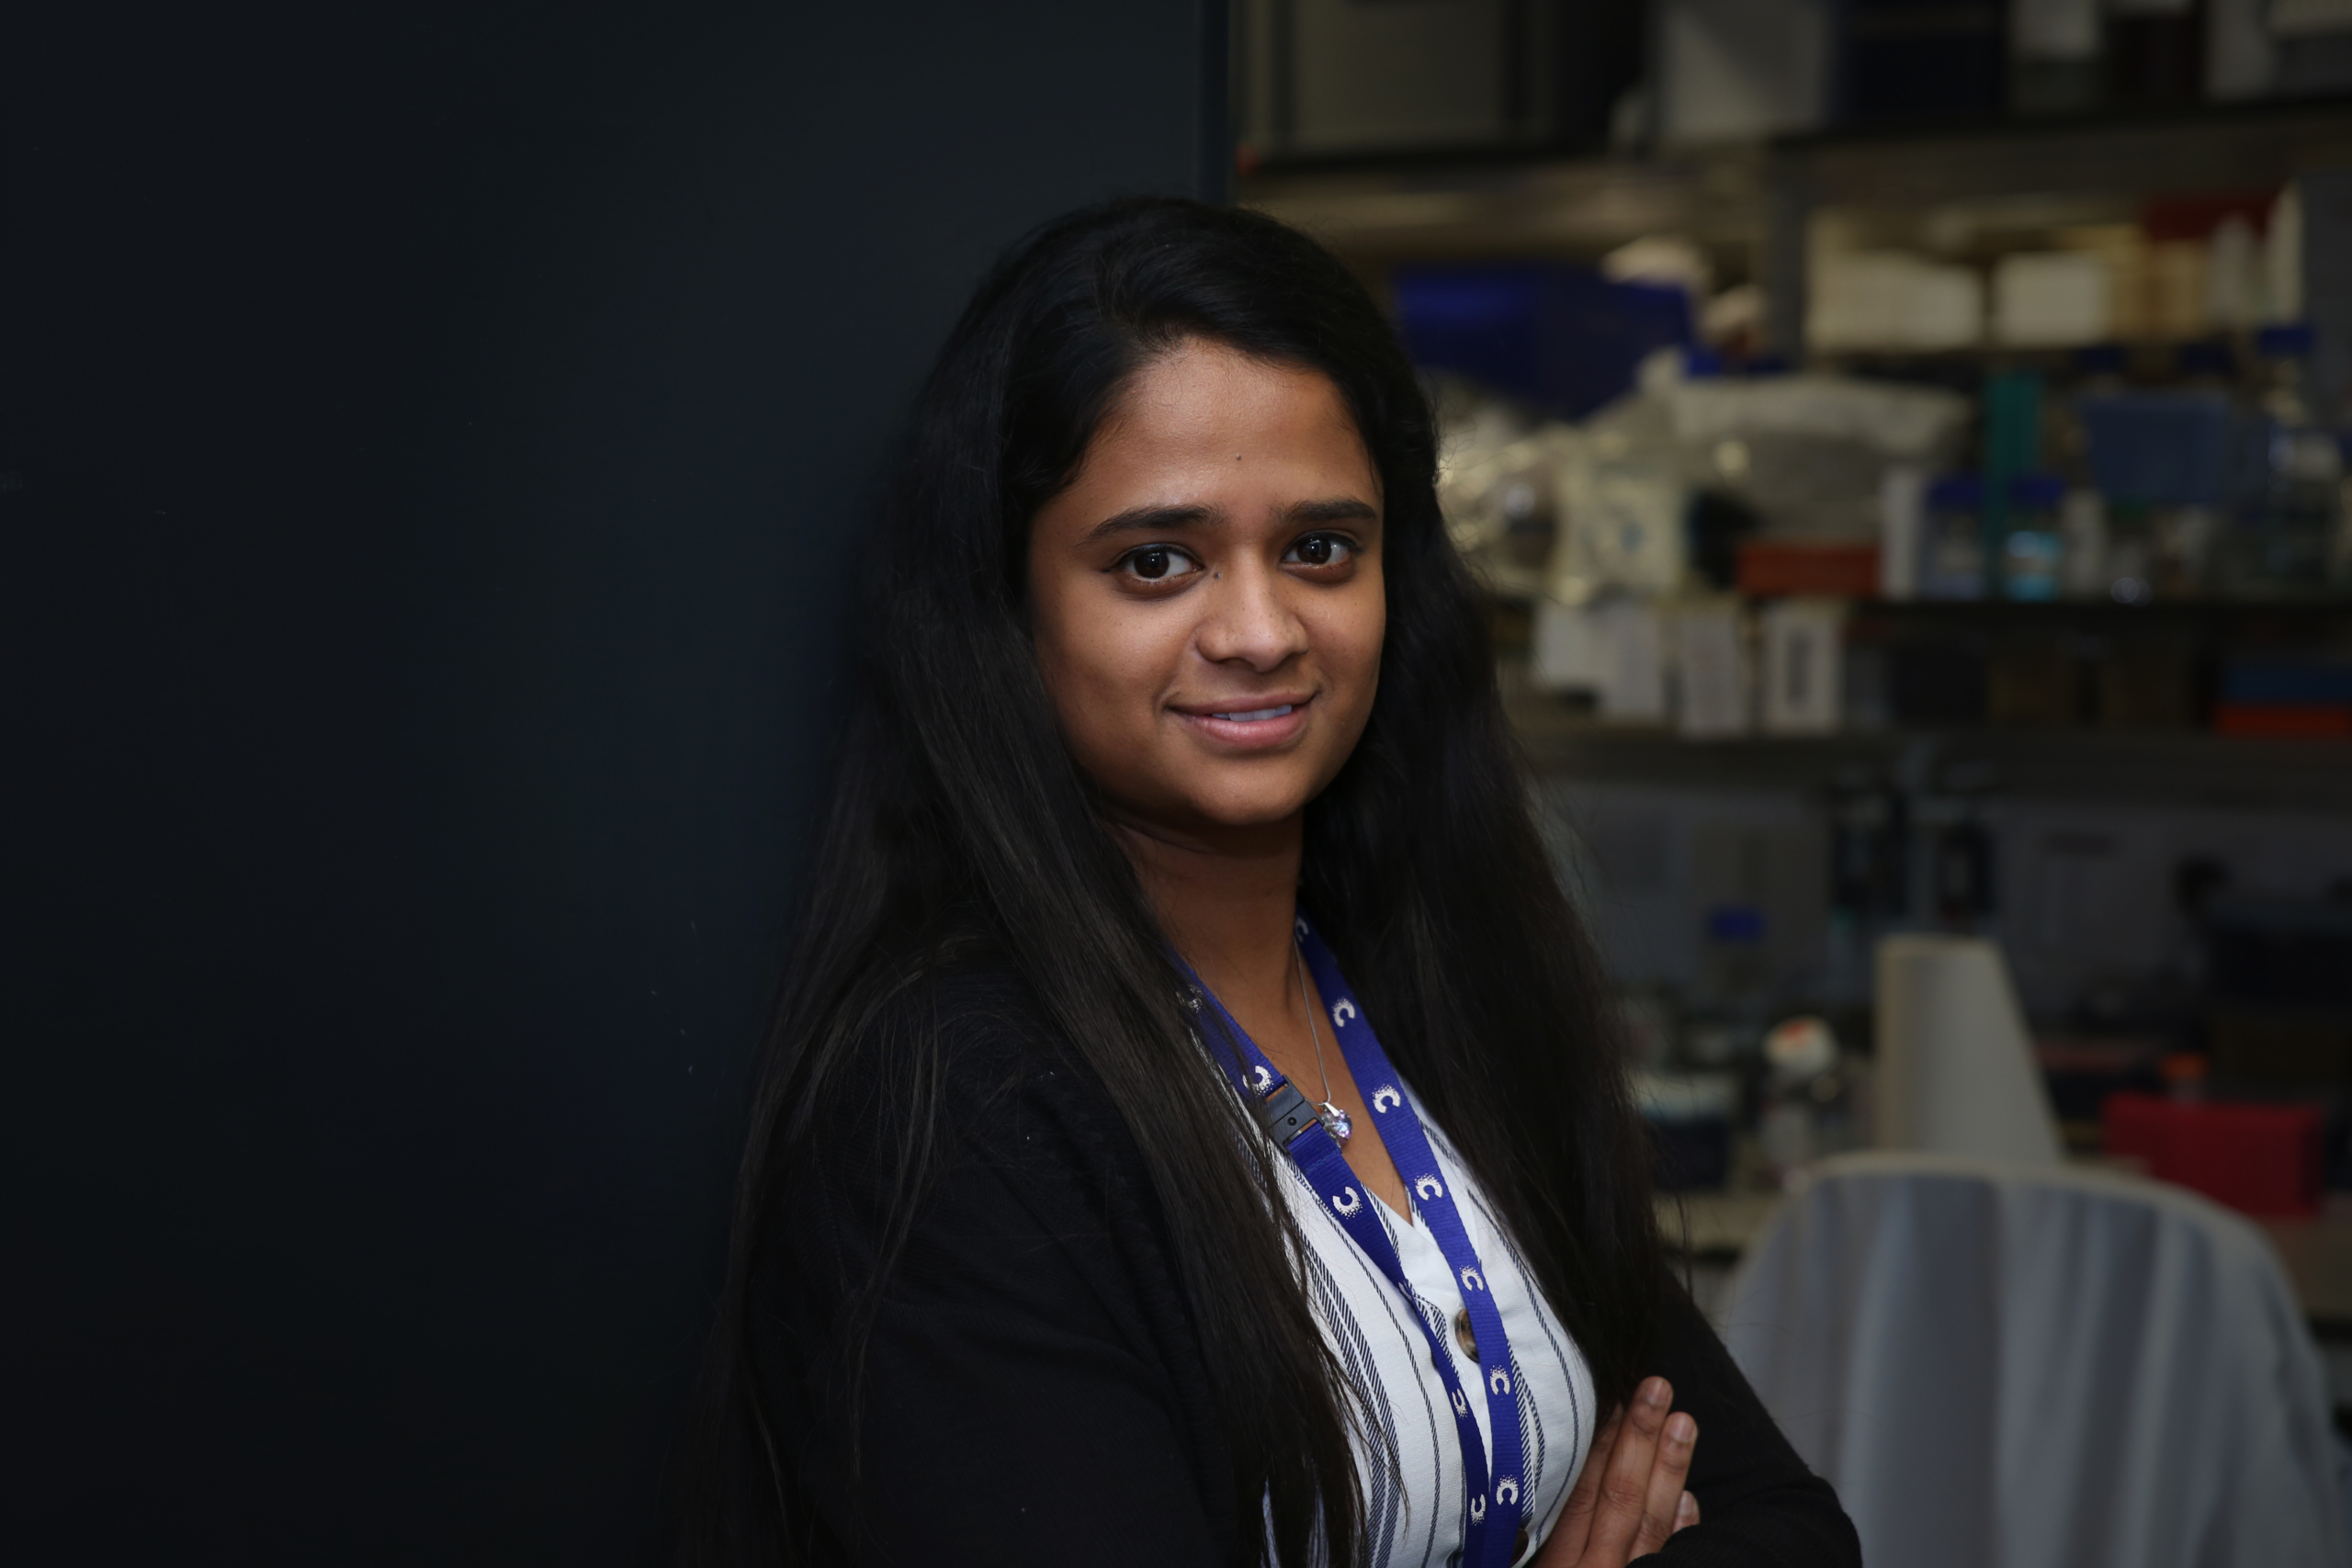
point(1285, 1114)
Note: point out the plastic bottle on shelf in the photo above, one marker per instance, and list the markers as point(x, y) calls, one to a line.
point(1951, 553)
point(2011, 414)
point(2099, 372)
point(2163, 459)
point(2085, 561)
point(2033, 555)
point(2183, 540)
point(1902, 529)
point(2083, 528)
point(2286, 533)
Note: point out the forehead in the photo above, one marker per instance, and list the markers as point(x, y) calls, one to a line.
point(1207, 409)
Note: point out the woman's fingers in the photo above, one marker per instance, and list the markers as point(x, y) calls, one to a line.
point(1572, 1529)
point(1625, 1479)
point(1630, 1496)
point(1663, 1502)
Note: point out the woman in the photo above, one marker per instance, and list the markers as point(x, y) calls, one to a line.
point(1193, 1132)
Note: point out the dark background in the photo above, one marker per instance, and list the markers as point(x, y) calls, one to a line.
point(429, 439)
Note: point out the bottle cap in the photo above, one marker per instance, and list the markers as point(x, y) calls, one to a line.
point(2101, 359)
point(2287, 340)
point(2042, 493)
point(1801, 1048)
point(2210, 358)
point(1956, 492)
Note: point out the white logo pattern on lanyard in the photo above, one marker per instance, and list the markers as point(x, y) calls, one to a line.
point(1491, 1535)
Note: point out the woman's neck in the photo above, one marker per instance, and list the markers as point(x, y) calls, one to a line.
point(1227, 903)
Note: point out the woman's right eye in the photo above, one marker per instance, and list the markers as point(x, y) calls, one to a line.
point(1157, 563)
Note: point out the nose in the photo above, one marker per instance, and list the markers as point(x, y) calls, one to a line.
point(1247, 622)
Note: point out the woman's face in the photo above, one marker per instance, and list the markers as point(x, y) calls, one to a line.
point(1205, 596)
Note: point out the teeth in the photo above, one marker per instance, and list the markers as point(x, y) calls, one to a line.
point(1256, 716)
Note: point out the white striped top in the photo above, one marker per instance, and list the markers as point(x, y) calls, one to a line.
point(1418, 1510)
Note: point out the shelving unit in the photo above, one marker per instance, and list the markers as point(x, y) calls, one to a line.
point(1374, 214)
point(2084, 832)
point(1752, 203)
point(2149, 767)
point(2214, 147)
point(2179, 766)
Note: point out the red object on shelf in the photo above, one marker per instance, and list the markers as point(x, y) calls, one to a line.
point(2195, 216)
point(2283, 718)
point(1768, 567)
point(2258, 1159)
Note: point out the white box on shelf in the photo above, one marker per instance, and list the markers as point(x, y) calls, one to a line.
point(2052, 299)
point(1711, 670)
point(2082, 537)
point(1612, 648)
point(1803, 674)
point(1892, 300)
point(1902, 529)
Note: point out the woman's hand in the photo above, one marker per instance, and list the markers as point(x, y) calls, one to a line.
point(1629, 1496)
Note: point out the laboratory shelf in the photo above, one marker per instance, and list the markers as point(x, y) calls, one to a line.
point(2182, 767)
point(2206, 147)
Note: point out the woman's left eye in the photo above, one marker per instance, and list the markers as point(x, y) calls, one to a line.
point(1321, 549)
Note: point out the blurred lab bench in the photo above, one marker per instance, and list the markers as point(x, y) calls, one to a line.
point(1711, 1230)
point(2317, 1253)
point(1706, 1233)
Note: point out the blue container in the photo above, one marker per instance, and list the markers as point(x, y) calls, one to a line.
point(2160, 448)
point(1951, 552)
point(2101, 360)
point(2305, 680)
point(1560, 337)
point(2033, 554)
point(2287, 340)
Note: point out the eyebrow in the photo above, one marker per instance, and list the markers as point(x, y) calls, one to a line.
point(1339, 509)
point(1153, 520)
point(1163, 519)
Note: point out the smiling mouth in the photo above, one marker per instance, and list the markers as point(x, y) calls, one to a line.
point(1269, 724)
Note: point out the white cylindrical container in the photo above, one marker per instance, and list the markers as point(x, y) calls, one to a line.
point(1956, 1072)
point(1902, 530)
point(2082, 531)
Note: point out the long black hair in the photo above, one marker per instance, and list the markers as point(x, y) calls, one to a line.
point(959, 818)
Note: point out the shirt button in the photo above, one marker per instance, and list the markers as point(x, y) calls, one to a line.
point(1467, 1340)
point(1518, 1547)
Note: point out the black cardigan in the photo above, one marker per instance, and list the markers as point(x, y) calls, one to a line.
point(1033, 1394)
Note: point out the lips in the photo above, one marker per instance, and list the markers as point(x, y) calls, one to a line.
point(1248, 724)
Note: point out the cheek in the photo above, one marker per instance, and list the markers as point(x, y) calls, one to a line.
point(1105, 671)
point(1352, 643)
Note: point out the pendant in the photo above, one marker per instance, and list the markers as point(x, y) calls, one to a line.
point(1335, 1122)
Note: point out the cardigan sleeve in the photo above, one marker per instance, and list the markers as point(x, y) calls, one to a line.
point(1025, 1398)
point(1758, 1505)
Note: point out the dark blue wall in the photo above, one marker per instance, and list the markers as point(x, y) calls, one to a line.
point(429, 438)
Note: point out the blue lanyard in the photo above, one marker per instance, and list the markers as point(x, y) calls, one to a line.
point(1289, 1116)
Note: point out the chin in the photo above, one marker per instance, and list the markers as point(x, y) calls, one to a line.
point(1252, 809)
